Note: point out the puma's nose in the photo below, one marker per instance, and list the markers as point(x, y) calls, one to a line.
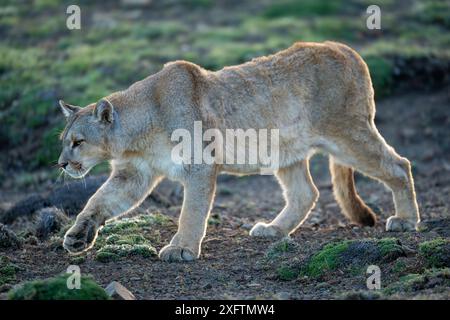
point(63, 165)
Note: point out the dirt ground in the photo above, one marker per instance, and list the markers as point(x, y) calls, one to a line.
point(234, 265)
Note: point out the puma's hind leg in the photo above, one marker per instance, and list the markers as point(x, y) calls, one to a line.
point(367, 151)
point(300, 194)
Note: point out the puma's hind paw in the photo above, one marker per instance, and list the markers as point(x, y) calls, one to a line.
point(398, 224)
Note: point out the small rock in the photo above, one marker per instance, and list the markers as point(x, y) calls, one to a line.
point(118, 292)
point(49, 220)
point(8, 238)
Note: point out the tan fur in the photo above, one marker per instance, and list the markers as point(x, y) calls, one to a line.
point(320, 97)
point(347, 197)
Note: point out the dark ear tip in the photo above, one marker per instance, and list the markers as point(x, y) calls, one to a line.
point(104, 102)
point(104, 110)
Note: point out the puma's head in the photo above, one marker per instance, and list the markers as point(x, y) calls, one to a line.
point(86, 136)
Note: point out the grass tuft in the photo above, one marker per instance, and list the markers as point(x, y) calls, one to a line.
point(57, 289)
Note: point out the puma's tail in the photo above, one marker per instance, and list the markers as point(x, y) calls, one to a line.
point(347, 197)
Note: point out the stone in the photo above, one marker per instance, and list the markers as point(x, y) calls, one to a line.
point(118, 292)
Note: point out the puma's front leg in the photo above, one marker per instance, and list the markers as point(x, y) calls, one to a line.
point(199, 192)
point(125, 189)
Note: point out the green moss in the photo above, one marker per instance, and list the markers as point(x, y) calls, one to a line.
point(414, 282)
point(287, 273)
point(105, 256)
point(352, 256)
point(326, 259)
point(282, 246)
point(129, 237)
point(111, 252)
point(399, 267)
point(56, 289)
point(127, 225)
point(7, 271)
point(436, 252)
point(390, 246)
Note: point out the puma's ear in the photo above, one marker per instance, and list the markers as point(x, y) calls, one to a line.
point(104, 111)
point(68, 109)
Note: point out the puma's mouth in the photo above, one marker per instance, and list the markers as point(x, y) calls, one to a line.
point(78, 173)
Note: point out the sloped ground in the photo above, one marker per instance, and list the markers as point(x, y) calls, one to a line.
point(326, 258)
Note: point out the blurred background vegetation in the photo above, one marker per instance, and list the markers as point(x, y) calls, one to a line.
point(123, 41)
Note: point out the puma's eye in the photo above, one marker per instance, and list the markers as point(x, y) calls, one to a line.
point(76, 143)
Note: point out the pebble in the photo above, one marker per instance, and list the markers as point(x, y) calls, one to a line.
point(118, 292)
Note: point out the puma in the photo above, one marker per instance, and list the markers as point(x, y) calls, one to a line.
point(319, 96)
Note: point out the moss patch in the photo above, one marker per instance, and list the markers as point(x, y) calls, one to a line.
point(111, 252)
point(352, 255)
point(327, 259)
point(280, 247)
point(139, 223)
point(430, 278)
point(436, 252)
point(130, 237)
point(287, 273)
point(56, 289)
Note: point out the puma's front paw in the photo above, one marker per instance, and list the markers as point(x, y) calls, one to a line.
point(80, 237)
point(398, 224)
point(266, 230)
point(173, 253)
